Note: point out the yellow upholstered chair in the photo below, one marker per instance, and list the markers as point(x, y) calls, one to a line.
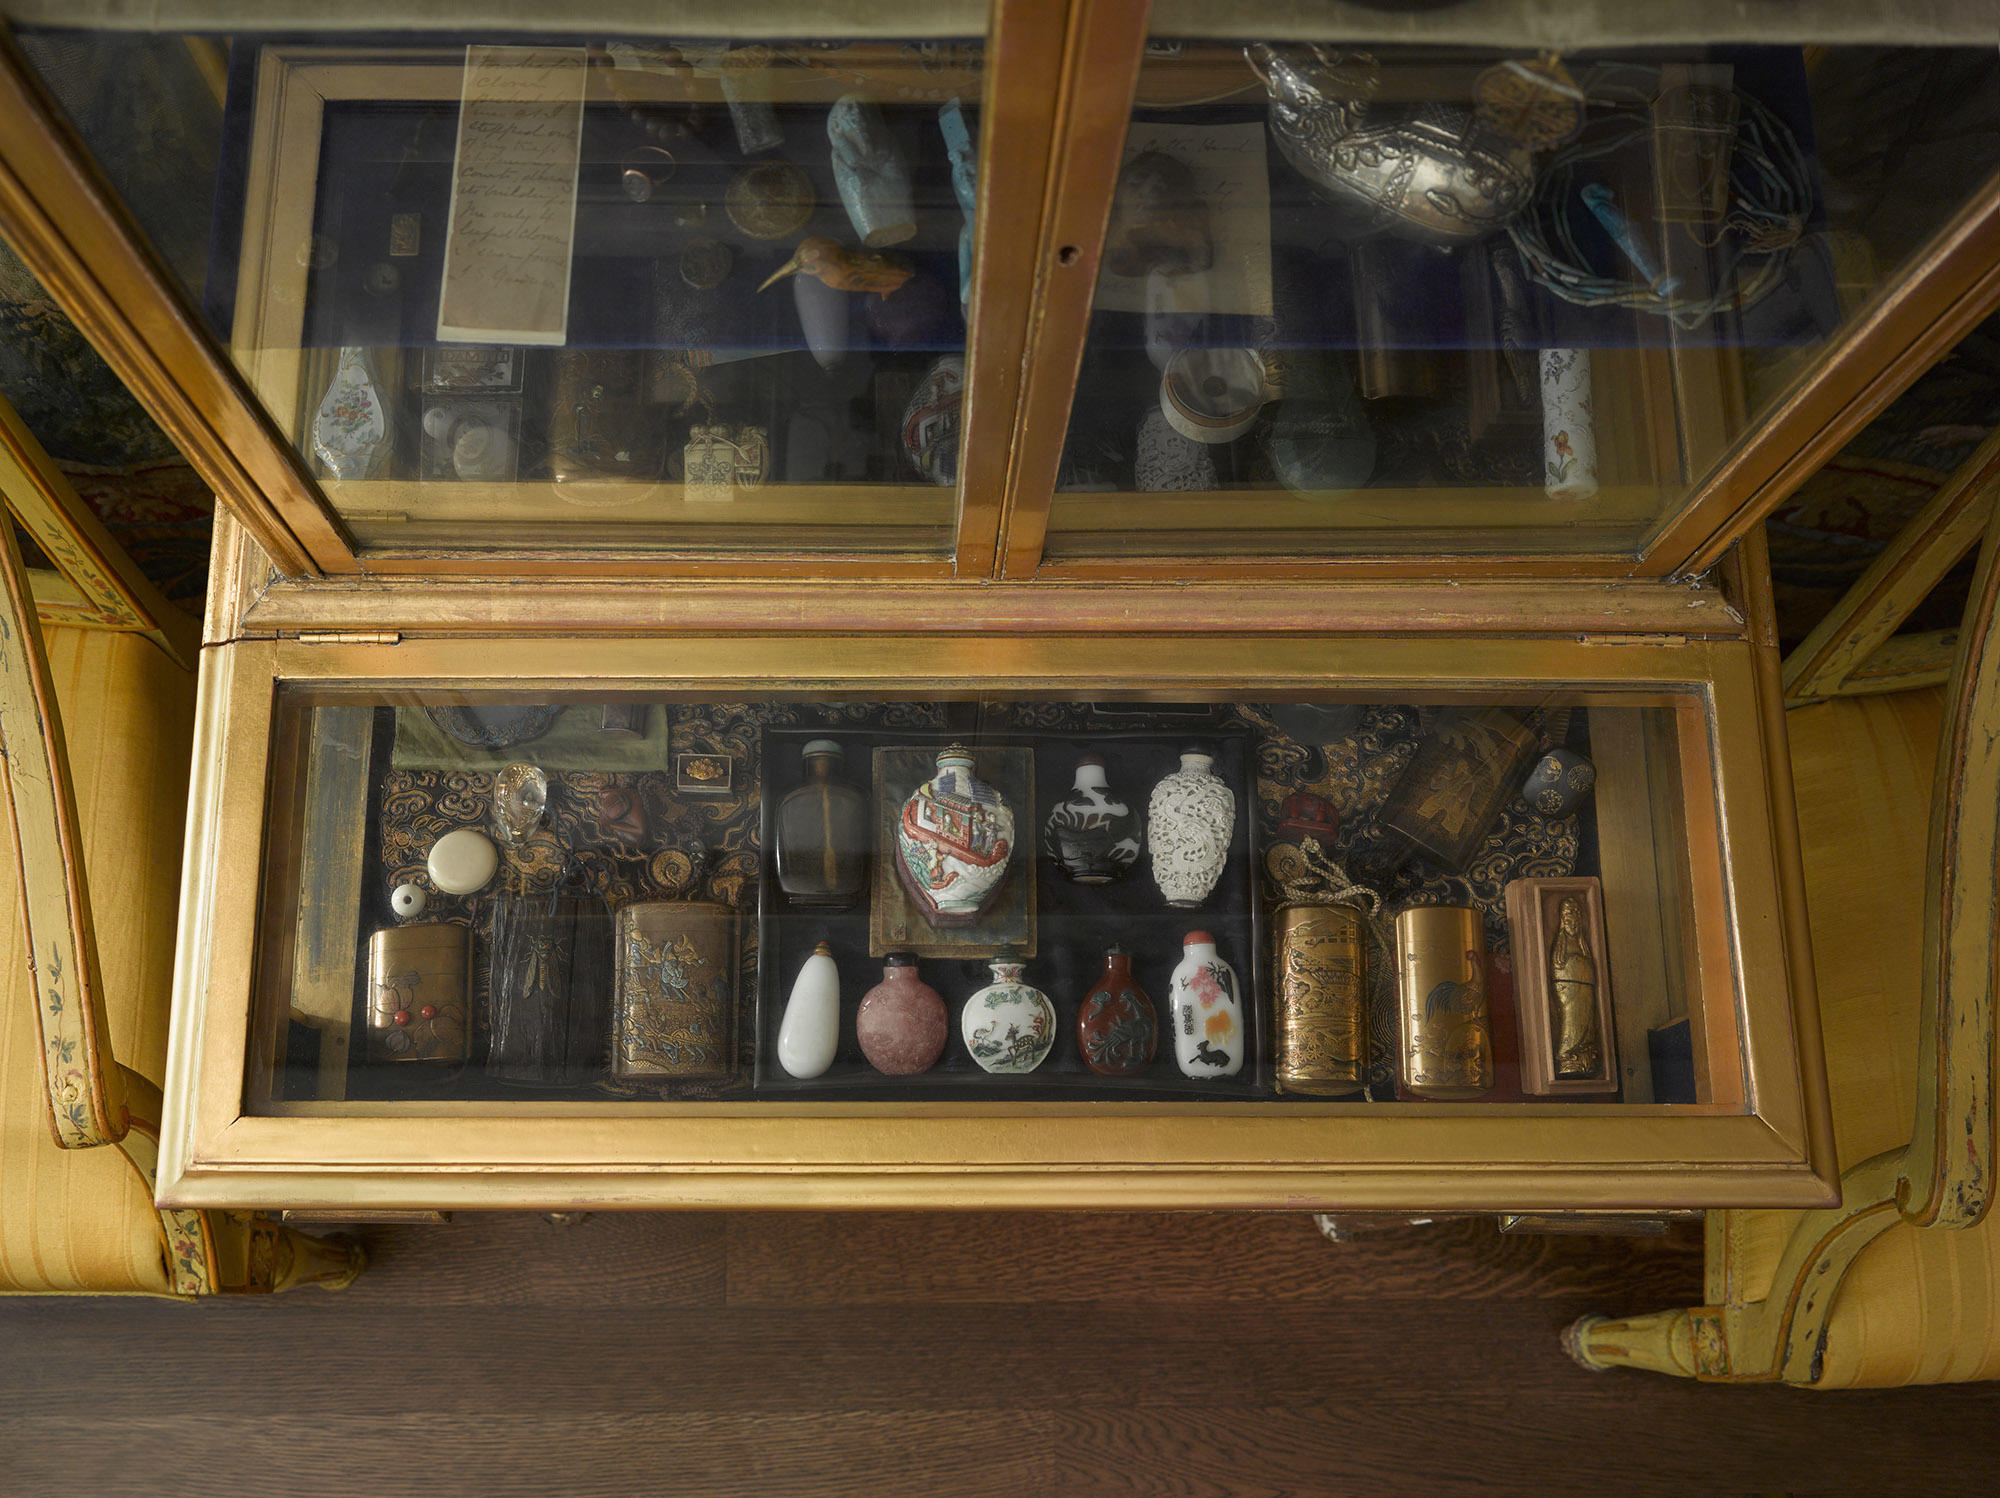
point(1899, 820)
point(97, 724)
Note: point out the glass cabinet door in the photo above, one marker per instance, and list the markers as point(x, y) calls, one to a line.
point(682, 289)
point(1425, 287)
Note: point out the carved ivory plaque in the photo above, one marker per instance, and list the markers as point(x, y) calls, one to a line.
point(513, 197)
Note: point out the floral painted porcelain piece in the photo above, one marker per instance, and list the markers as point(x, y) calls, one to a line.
point(953, 842)
point(1209, 1034)
point(1009, 1025)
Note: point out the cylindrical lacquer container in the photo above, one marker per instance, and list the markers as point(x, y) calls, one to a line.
point(1569, 431)
point(1322, 980)
point(1441, 992)
point(674, 998)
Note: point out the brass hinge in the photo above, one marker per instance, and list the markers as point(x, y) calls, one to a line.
point(351, 637)
point(1635, 639)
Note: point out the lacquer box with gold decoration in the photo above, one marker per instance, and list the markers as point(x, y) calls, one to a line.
point(667, 518)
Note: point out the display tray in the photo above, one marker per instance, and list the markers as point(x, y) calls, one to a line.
point(673, 806)
point(1072, 926)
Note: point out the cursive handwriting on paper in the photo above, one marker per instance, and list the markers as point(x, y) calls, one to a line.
point(513, 197)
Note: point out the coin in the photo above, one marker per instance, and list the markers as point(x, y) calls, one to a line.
point(705, 263)
point(770, 200)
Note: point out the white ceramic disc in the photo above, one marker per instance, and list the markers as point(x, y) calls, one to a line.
point(462, 862)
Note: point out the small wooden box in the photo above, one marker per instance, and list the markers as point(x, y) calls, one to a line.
point(1534, 915)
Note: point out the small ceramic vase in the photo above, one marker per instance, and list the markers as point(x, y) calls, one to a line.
point(1209, 1035)
point(874, 178)
point(823, 313)
point(901, 1021)
point(932, 420)
point(350, 433)
point(1569, 431)
point(1116, 1030)
point(953, 842)
point(1189, 825)
point(1008, 1025)
point(1092, 835)
point(810, 1030)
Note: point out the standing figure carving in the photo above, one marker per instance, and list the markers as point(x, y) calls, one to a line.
point(1573, 981)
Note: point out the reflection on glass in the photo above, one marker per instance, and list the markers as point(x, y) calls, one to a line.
point(1446, 299)
point(571, 290)
point(692, 867)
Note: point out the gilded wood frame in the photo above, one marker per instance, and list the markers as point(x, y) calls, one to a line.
point(1262, 1155)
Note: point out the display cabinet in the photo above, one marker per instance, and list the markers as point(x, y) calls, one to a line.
point(1054, 604)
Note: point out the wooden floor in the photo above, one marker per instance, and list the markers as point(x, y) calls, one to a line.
point(947, 1355)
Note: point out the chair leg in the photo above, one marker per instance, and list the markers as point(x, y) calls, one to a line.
point(256, 1256)
point(1662, 1342)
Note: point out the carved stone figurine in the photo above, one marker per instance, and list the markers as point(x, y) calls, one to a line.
point(873, 176)
point(1573, 981)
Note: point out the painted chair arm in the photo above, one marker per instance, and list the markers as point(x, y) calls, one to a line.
point(86, 1087)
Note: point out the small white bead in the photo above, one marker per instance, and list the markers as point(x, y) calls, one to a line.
point(408, 901)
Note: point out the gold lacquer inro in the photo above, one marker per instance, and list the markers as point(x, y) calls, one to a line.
point(676, 991)
point(1441, 991)
point(417, 992)
point(1322, 969)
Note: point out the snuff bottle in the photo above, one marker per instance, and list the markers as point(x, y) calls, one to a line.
point(822, 833)
point(1009, 1025)
point(1092, 835)
point(1189, 825)
point(1116, 1031)
point(901, 1022)
point(953, 841)
point(1207, 1002)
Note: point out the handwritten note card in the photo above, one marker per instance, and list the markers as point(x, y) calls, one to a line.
point(513, 197)
point(1231, 176)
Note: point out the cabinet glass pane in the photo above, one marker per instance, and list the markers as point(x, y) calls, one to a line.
point(572, 291)
point(786, 901)
point(1382, 298)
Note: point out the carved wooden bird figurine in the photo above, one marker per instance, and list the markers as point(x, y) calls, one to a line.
point(844, 269)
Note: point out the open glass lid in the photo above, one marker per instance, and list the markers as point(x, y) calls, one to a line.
point(627, 288)
point(1478, 282)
